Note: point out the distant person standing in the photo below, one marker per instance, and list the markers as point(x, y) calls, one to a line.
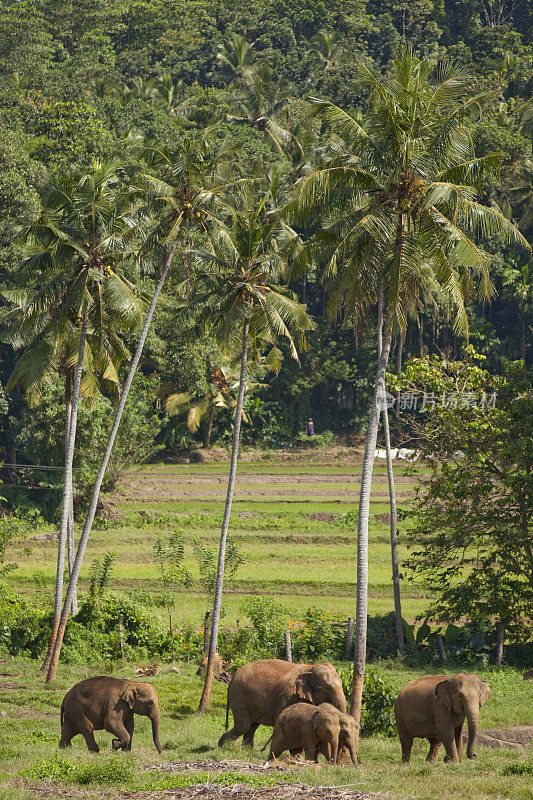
point(310, 428)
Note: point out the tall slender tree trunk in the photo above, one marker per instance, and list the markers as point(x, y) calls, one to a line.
point(392, 500)
point(420, 335)
point(500, 636)
point(215, 619)
point(71, 552)
point(84, 538)
point(400, 353)
point(362, 533)
point(207, 437)
point(66, 503)
point(70, 523)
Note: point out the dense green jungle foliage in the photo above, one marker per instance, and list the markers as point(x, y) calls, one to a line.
point(90, 79)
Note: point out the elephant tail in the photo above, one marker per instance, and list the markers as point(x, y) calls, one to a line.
point(267, 743)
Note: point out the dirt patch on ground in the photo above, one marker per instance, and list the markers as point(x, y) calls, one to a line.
point(513, 738)
point(384, 518)
point(323, 516)
point(237, 791)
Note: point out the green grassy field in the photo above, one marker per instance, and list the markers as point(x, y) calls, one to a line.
point(31, 765)
point(288, 517)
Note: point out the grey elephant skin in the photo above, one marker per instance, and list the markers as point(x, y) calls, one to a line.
point(434, 708)
point(261, 690)
point(313, 729)
point(109, 704)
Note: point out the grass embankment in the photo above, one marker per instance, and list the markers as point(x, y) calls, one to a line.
point(31, 766)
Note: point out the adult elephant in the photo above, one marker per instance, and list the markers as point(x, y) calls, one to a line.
point(434, 708)
point(261, 690)
point(109, 704)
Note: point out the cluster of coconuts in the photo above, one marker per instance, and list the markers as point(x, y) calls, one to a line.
point(189, 211)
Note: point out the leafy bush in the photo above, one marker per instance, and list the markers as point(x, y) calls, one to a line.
point(269, 619)
point(377, 715)
point(325, 439)
point(320, 636)
point(104, 771)
point(140, 628)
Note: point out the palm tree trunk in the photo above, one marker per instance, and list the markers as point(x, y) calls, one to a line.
point(70, 523)
point(207, 437)
point(71, 551)
point(393, 536)
point(362, 533)
point(213, 640)
point(400, 353)
point(66, 503)
point(52, 672)
point(500, 636)
point(392, 500)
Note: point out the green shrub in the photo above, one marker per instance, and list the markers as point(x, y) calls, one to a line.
point(101, 771)
point(320, 636)
point(377, 715)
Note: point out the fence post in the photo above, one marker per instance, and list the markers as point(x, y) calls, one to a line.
point(121, 633)
point(349, 638)
point(442, 651)
point(288, 648)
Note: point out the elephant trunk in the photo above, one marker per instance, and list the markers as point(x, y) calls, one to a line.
point(352, 750)
point(154, 716)
point(472, 715)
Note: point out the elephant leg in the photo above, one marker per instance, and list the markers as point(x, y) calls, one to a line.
point(91, 742)
point(117, 727)
point(241, 724)
point(67, 734)
point(129, 724)
point(248, 736)
point(333, 747)
point(277, 745)
point(343, 756)
point(459, 741)
point(406, 740)
point(434, 747)
point(310, 748)
point(447, 736)
point(230, 735)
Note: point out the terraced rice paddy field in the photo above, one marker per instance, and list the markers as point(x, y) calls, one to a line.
point(294, 516)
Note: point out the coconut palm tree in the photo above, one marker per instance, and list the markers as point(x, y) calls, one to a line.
point(188, 185)
point(237, 58)
point(237, 296)
point(222, 384)
point(256, 101)
point(85, 225)
point(398, 202)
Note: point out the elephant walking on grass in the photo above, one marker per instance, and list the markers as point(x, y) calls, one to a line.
point(434, 708)
point(261, 690)
point(108, 704)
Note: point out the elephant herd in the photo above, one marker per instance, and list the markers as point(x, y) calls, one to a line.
point(304, 703)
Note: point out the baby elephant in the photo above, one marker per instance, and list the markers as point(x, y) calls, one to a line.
point(108, 704)
point(315, 729)
point(434, 708)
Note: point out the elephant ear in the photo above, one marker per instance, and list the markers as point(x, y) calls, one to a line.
point(484, 693)
point(316, 720)
point(129, 696)
point(303, 687)
point(442, 692)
